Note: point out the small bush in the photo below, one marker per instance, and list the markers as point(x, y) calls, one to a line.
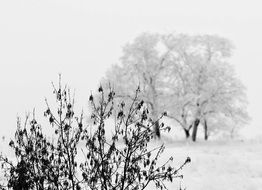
point(122, 162)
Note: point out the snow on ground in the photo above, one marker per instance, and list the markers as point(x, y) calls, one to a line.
point(216, 165)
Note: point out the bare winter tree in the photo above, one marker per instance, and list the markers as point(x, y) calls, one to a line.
point(189, 76)
point(206, 82)
point(143, 64)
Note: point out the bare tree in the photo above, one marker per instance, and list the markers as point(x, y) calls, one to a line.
point(187, 76)
point(144, 65)
point(208, 84)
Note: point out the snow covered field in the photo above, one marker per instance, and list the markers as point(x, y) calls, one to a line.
point(216, 165)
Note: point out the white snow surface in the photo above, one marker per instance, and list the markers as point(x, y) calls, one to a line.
point(215, 165)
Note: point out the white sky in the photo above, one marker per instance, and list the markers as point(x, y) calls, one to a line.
point(81, 39)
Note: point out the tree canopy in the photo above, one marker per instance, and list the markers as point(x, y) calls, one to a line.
point(189, 76)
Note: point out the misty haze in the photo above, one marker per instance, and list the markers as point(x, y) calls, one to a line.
point(130, 95)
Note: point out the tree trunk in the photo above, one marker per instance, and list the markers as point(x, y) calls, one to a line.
point(157, 129)
point(205, 130)
point(186, 132)
point(156, 123)
point(154, 106)
point(195, 126)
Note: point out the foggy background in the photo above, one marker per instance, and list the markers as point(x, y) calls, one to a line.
point(81, 39)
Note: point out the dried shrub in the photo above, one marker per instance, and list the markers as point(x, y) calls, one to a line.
point(125, 161)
